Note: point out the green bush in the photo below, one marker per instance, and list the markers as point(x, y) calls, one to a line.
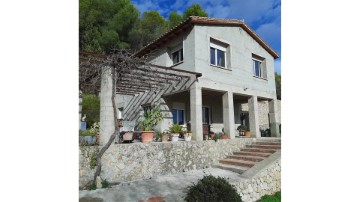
point(271, 198)
point(211, 189)
point(92, 186)
point(91, 107)
point(104, 184)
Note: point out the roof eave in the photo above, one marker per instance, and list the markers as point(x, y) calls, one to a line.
point(193, 20)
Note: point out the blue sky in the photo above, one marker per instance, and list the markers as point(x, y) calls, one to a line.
point(263, 16)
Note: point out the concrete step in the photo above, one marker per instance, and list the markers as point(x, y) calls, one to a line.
point(262, 154)
point(259, 150)
point(233, 168)
point(263, 146)
point(236, 162)
point(246, 157)
point(267, 143)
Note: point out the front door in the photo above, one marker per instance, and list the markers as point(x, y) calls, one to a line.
point(244, 118)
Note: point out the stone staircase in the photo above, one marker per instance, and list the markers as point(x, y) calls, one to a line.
point(247, 157)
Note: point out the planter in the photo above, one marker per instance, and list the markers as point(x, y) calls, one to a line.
point(187, 138)
point(87, 140)
point(174, 137)
point(147, 136)
point(241, 133)
point(165, 138)
point(128, 136)
point(212, 135)
point(224, 137)
point(247, 133)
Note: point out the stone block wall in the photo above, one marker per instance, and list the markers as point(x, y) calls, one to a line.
point(266, 182)
point(85, 172)
point(263, 112)
point(126, 162)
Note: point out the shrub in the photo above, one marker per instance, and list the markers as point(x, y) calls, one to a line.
point(91, 107)
point(104, 184)
point(92, 186)
point(211, 189)
point(271, 198)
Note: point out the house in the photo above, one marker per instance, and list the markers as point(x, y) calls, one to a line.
point(234, 68)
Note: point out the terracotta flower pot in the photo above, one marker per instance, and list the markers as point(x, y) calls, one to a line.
point(147, 136)
point(164, 138)
point(224, 137)
point(247, 133)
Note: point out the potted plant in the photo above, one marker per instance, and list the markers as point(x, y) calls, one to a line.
point(88, 136)
point(165, 136)
point(212, 135)
point(216, 137)
point(247, 131)
point(175, 130)
point(128, 136)
point(188, 136)
point(147, 123)
point(223, 135)
point(241, 129)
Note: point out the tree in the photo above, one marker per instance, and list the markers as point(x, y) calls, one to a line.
point(105, 25)
point(195, 10)
point(278, 85)
point(174, 19)
point(148, 28)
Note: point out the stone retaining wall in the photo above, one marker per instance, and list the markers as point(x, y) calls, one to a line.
point(126, 162)
point(85, 172)
point(266, 182)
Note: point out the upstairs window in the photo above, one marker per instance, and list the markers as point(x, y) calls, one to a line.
point(259, 68)
point(177, 56)
point(218, 54)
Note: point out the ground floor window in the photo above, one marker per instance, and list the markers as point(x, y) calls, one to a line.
point(178, 116)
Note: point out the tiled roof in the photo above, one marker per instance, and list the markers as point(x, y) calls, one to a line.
point(196, 20)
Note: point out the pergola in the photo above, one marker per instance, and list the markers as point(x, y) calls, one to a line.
point(134, 74)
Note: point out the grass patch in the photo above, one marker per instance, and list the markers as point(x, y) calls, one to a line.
point(271, 198)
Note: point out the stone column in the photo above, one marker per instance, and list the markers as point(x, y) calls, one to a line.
point(274, 118)
point(254, 116)
point(196, 111)
point(228, 114)
point(107, 126)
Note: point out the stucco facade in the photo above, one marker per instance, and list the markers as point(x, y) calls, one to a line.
point(225, 93)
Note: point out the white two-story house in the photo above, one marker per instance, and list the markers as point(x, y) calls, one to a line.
point(236, 66)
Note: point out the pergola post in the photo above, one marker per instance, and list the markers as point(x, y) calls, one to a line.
point(106, 109)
